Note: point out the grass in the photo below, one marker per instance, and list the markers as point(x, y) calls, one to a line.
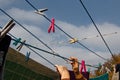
point(16, 68)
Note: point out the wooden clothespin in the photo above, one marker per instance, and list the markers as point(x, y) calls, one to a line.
point(107, 70)
point(21, 45)
point(6, 28)
point(102, 69)
point(73, 40)
point(41, 11)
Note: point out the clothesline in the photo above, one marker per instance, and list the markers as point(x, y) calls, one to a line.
point(49, 52)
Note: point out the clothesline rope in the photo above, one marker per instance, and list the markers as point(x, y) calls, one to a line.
point(34, 46)
point(65, 32)
point(28, 46)
point(26, 30)
point(97, 28)
point(50, 52)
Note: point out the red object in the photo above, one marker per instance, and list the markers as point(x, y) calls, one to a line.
point(83, 67)
point(52, 26)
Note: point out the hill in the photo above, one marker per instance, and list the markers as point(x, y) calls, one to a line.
point(16, 68)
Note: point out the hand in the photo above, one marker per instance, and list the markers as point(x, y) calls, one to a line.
point(75, 64)
point(63, 71)
point(75, 67)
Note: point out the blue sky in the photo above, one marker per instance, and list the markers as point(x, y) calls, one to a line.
point(72, 11)
point(72, 18)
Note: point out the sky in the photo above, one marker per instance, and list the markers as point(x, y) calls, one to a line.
point(71, 17)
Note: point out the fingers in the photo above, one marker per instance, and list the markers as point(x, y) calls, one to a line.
point(56, 66)
point(63, 71)
point(73, 59)
point(60, 68)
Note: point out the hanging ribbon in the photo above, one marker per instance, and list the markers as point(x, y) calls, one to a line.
point(52, 26)
point(16, 41)
point(27, 56)
point(83, 67)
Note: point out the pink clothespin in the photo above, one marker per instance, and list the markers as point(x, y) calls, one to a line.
point(52, 26)
point(83, 67)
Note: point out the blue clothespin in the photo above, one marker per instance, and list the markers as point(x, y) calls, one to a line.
point(17, 41)
point(89, 70)
point(99, 65)
point(27, 56)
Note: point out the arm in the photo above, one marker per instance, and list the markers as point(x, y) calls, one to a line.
point(63, 72)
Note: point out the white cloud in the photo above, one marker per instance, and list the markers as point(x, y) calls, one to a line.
point(26, 16)
point(90, 32)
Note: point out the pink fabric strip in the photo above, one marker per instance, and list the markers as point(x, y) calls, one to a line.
point(52, 26)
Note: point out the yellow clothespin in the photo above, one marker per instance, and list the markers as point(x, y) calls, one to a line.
point(73, 40)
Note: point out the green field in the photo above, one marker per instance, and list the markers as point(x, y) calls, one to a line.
point(15, 71)
point(16, 68)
